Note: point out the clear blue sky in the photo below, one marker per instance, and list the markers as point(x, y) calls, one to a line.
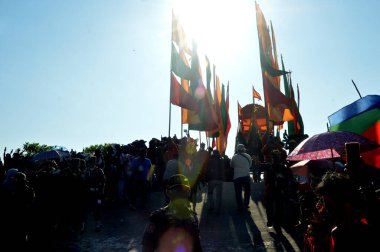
point(76, 73)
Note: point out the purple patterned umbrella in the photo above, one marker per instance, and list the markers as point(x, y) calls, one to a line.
point(328, 145)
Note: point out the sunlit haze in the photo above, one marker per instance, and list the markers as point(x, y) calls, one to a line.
point(220, 27)
point(77, 73)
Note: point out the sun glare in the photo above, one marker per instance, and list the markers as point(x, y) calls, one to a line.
point(219, 27)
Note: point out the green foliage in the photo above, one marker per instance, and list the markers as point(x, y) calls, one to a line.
point(31, 149)
point(91, 149)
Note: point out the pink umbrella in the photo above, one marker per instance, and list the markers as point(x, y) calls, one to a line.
point(328, 145)
point(302, 168)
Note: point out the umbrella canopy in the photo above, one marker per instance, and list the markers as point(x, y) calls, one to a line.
point(320, 166)
point(300, 168)
point(361, 117)
point(328, 145)
point(48, 155)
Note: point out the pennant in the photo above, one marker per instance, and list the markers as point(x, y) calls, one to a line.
point(266, 56)
point(277, 78)
point(179, 65)
point(256, 94)
point(185, 112)
point(224, 119)
point(178, 35)
point(239, 111)
point(228, 127)
point(180, 97)
point(206, 113)
point(300, 120)
point(291, 124)
point(278, 104)
point(208, 73)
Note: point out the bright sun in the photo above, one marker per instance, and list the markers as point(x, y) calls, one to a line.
point(218, 26)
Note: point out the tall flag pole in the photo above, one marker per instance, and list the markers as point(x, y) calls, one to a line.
point(298, 97)
point(252, 126)
point(170, 74)
point(300, 120)
point(357, 90)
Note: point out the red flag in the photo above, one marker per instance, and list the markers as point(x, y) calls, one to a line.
point(179, 96)
point(279, 104)
point(228, 127)
point(255, 94)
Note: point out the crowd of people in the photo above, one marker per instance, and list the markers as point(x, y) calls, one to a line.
point(45, 202)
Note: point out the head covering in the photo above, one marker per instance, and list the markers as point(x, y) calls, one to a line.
point(21, 177)
point(8, 181)
point(91, 162)
point(240, 148)
point(178, 180)
point(215, 153)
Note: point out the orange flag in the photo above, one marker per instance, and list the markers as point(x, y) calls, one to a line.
point(255, 94)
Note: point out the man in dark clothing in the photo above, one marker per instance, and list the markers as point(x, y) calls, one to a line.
point(95, 181)
point(141, 177)
point(174, 227)
point(16, 213)
point(342, 203)
point(277, 179)
point(215, 178)
point(202, 158)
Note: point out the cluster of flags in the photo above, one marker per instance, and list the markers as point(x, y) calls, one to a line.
point(202, 109)
point(280, 107)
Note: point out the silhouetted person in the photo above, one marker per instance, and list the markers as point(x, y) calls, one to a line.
point(174, 227)
point(241, 162)
point(342, 202)
point(215, 178)
point(141, 177)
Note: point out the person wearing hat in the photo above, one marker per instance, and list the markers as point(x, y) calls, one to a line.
point(241, 162)
point(174, 227)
